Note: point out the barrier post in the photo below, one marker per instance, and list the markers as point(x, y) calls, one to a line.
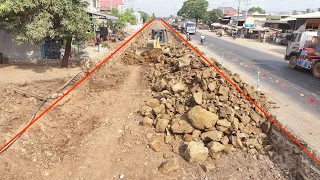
point(258, 83)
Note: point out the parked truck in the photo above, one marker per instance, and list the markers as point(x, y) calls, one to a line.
point(190, 27)
point(303, 51)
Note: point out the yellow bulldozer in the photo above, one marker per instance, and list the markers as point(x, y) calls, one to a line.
point(159, 38)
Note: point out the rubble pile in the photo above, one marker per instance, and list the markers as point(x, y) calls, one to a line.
point(199, 112)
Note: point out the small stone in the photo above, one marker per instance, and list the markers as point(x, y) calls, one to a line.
point(236, 142)
point(54, 96)
point(161, 125)
point(212, 86)
point(268, 147)
point(198, 97)
point(215, 147)
point(156, 145)
point(224, 123)
point(195, 135)
point(169, 165)
point(196, 152)
point(187, 138)
point(228, 148)
point(147, 121)
point(178, 87)
point(168, 139)
point(224, 91)
point(181, 127)
point(225, 140)
point(235, 124)
point(207, 167)
point(153, 103)
point(252, 151)
point(212, 135)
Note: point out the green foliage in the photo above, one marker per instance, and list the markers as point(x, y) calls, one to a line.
point(32, 21)
point(212, 16)
point(257, 9)
point(125, 17)
point(194, 9)
point(308, 10)
point(153, 15)
point(145, 17)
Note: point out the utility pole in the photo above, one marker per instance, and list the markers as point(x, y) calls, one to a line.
point(247, 4)
point(238, 12)
point(223, 8)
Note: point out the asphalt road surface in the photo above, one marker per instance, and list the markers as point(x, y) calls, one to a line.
point(302, 80)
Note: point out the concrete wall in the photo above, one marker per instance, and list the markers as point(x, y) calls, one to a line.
point(25, 52)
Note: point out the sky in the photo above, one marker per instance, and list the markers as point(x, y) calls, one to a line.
point(168, 7)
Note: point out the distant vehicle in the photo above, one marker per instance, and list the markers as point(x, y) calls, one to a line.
point(190, 27)
point(303, 51)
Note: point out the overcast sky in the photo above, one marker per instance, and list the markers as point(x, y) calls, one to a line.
point(168, 7)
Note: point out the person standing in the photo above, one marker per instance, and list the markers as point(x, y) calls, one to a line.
point(99, 41)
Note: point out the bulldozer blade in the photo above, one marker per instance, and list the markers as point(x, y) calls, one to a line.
point(140, 50)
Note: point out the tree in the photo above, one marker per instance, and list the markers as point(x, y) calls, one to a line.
point(212, 16)
point(308, 10)
point(145, 17)
point(125, 17)
point(153, 15)
point(33, 21)
point(257, 9)
point(194, 9)
point(318, 9)
point(295, 12)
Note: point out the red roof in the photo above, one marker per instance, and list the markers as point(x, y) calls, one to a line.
point(105, 4)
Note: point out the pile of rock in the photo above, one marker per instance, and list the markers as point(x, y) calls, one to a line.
point(194, 105)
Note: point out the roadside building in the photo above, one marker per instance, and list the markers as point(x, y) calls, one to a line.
point(108, 5)
point(228, 11)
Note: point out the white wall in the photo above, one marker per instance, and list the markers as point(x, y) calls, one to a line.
point(18, 53)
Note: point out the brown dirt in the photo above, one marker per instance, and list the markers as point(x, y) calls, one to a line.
point(95, 133)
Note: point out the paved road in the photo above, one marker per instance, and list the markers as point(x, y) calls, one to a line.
point(301, 80)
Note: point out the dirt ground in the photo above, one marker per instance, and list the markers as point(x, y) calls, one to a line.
point(95, 132)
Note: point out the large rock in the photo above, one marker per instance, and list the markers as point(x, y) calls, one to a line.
point(161, 125)
point(236, 142)
point(181, 127)
point(168, 166)
point(201, 118)
point(196, 152)
point(212, 135)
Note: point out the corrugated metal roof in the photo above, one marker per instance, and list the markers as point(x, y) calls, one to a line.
point(106, 16)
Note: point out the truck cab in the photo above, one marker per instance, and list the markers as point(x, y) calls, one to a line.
point(190, 27)
point(296, 42)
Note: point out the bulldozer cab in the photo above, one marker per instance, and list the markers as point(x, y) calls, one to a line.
point(161, 35)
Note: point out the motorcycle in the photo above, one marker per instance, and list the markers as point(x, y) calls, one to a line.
point(234, 36)
point(220, 34)
point(201, 41)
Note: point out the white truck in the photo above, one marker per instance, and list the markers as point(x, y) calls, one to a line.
point(190, 27)
point(298, 40)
